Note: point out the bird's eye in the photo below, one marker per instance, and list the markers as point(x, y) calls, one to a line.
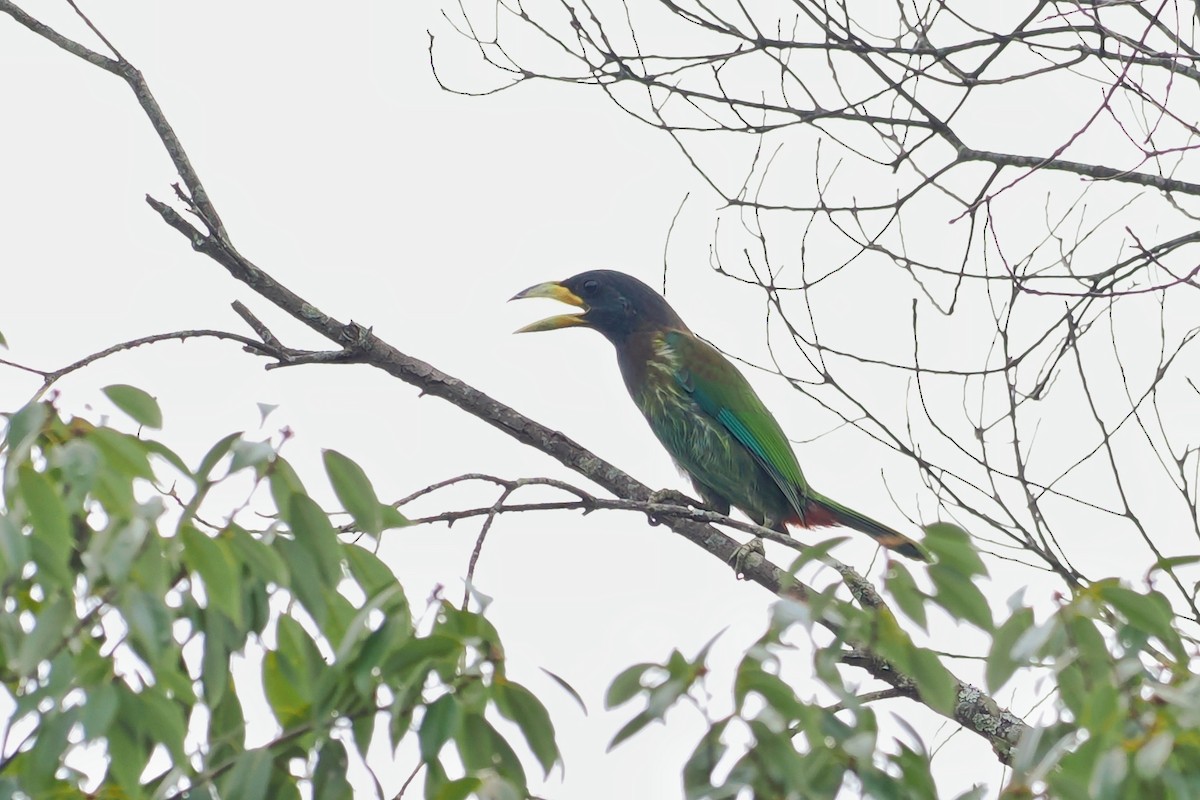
point(590, 287)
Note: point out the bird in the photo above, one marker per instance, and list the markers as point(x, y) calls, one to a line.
point(702, 409)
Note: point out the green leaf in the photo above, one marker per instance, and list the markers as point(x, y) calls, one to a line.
point(353, 488)
point(215, 454)
point(126, 756)
point(167, 454)
point(817, 551)
point(518, 704)
point(392, 518)
point(14, 550)
point(114, 549)
point(264, 563)
point(918, 779)
point(126, 454)
point(23, 428)
point(879, 785)
point(1072, 688)
point(359, 627)
point(1110, 772)
point(226, 728)
point(80, 464)
point(376, 646)
point(304, 662)
point(52, 542)
point(341, 619)
point(114, 490)
point(402, 715)
point(250, 454)
point(639, 721)
point(1037, 640)
point(482, 748)
point(466, 625)
point(99, 710)
point(372, 574)
point(50, 631)
point(626, 686)
point(1150, 613)
point(304, 577)
point(165, 718)
point(435, 779)
point(250, 776)
point(415, 651)
point(1153, 755)
point(460, 789)
point(778, 695)
point(1093, 651)
point(149, 622)
point(1102, 707)
point(47, 752)
point(219, 640)
point(312, 530)
point(1167, 564)
point(568, 688)
point(176, 684)
point(49, 514)
point(937, 686)
point(906, 593)
point(891, 642)
point(11, 637)
point(698, 771)
point(136, 403)
point(284, 482)
point(363, 728)
point(1000, 661)
point(91, 668)
point(441, 722)
point(977, 793)
point(953, 548)
point(214, 561)
point(290, 700)
point(283, 786)
point(960, 596)
point(60, 677)
point(329, 778)
point(256, 605)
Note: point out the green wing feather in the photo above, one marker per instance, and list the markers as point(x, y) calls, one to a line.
point(724, 393)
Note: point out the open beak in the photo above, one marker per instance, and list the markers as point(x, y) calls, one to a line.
point(555, 291)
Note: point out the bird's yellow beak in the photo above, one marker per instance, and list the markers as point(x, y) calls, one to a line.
point(554, 291)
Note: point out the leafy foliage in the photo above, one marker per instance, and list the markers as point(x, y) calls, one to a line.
point(126, 608)
point(1127, 705)
point(1121, 719)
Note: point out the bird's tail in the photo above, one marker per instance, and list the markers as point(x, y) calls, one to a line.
point(821, 512)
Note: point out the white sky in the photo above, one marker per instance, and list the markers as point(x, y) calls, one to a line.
point(340, 168)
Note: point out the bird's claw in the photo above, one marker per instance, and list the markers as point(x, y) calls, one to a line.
point(668, 497)
point(739, 557)
point(673, 497)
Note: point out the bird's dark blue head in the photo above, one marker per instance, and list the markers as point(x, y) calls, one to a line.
point(613, 303)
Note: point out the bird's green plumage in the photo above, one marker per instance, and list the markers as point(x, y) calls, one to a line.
point(723, 393)
point(702, 409)
point(723, 470)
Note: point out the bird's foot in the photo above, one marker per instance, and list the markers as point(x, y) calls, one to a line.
point(669, 497)
point(674, 497)
point(743, 553)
